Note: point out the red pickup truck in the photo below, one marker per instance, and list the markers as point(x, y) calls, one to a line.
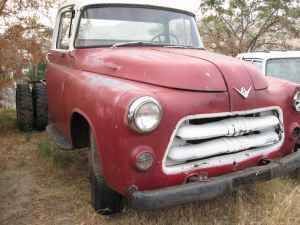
point(166, 121)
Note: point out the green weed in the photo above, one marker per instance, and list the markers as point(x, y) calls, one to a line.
point(7, 120)
point(61, 159)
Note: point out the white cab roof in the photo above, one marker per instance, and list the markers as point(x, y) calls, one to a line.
point(190, 6)
point(270, 55)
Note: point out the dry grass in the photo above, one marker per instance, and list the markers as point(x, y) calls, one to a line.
point(41, 185)
point(5, 81)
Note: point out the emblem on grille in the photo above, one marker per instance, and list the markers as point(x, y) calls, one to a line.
point(243, 92)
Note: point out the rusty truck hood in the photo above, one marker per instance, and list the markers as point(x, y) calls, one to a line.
point(188, 69)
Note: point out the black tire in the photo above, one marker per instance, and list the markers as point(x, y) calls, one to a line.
point(297, 172)
point(104, 200)
point(24, 108)
point(295, 175)
point(40, 102)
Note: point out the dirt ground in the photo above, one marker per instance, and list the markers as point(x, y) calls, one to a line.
point(41, 185)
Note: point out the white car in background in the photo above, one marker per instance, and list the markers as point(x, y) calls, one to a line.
point(280, 64)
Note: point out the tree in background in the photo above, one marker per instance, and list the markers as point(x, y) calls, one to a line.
point(235, 26)
point(23, 39)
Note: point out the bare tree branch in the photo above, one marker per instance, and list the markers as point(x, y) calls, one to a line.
point(236, 26)
point(2, 6)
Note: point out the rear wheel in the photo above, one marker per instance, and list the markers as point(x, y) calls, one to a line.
point(40, 101)
point(104, 200)
point(24, 107)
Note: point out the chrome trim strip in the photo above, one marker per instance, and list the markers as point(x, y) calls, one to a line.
point(229, 127)
point(224, 145)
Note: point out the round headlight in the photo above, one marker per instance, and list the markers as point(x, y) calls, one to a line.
point(296, 101)
point(144, 115)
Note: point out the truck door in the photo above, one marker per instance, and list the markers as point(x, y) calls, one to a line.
point(57, 69)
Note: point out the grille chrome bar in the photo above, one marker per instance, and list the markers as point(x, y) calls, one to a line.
point(227, 127)
point(223, 146)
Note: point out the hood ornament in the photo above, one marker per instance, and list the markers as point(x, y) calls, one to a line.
point(243, 92)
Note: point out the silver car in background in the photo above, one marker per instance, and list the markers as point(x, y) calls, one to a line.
point(279, 64)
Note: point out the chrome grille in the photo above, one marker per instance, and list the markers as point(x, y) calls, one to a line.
point(217, 139)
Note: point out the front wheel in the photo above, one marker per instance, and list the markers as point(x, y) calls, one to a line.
point(296, 174)
point(104, 200)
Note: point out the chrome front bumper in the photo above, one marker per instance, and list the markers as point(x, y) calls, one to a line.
point(214, 187)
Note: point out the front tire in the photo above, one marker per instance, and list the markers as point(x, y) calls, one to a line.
point(295, 175)
point(104, 200)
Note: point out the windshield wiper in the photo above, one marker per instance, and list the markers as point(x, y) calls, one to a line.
point(140, 43)
point(134, 43)
point(182, 46)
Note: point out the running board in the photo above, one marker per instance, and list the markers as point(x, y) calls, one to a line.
point(58, 138)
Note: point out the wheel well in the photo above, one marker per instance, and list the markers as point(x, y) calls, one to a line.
point(80, 131)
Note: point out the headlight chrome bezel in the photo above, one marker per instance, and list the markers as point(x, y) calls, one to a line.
point(135, 106)
point(296, 101)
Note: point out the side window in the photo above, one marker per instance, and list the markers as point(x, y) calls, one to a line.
point(64, 31)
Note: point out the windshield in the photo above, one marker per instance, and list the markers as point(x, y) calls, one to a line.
point(288, 68)
point(106, 26)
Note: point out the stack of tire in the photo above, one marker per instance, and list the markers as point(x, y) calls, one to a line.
point(32, 106)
